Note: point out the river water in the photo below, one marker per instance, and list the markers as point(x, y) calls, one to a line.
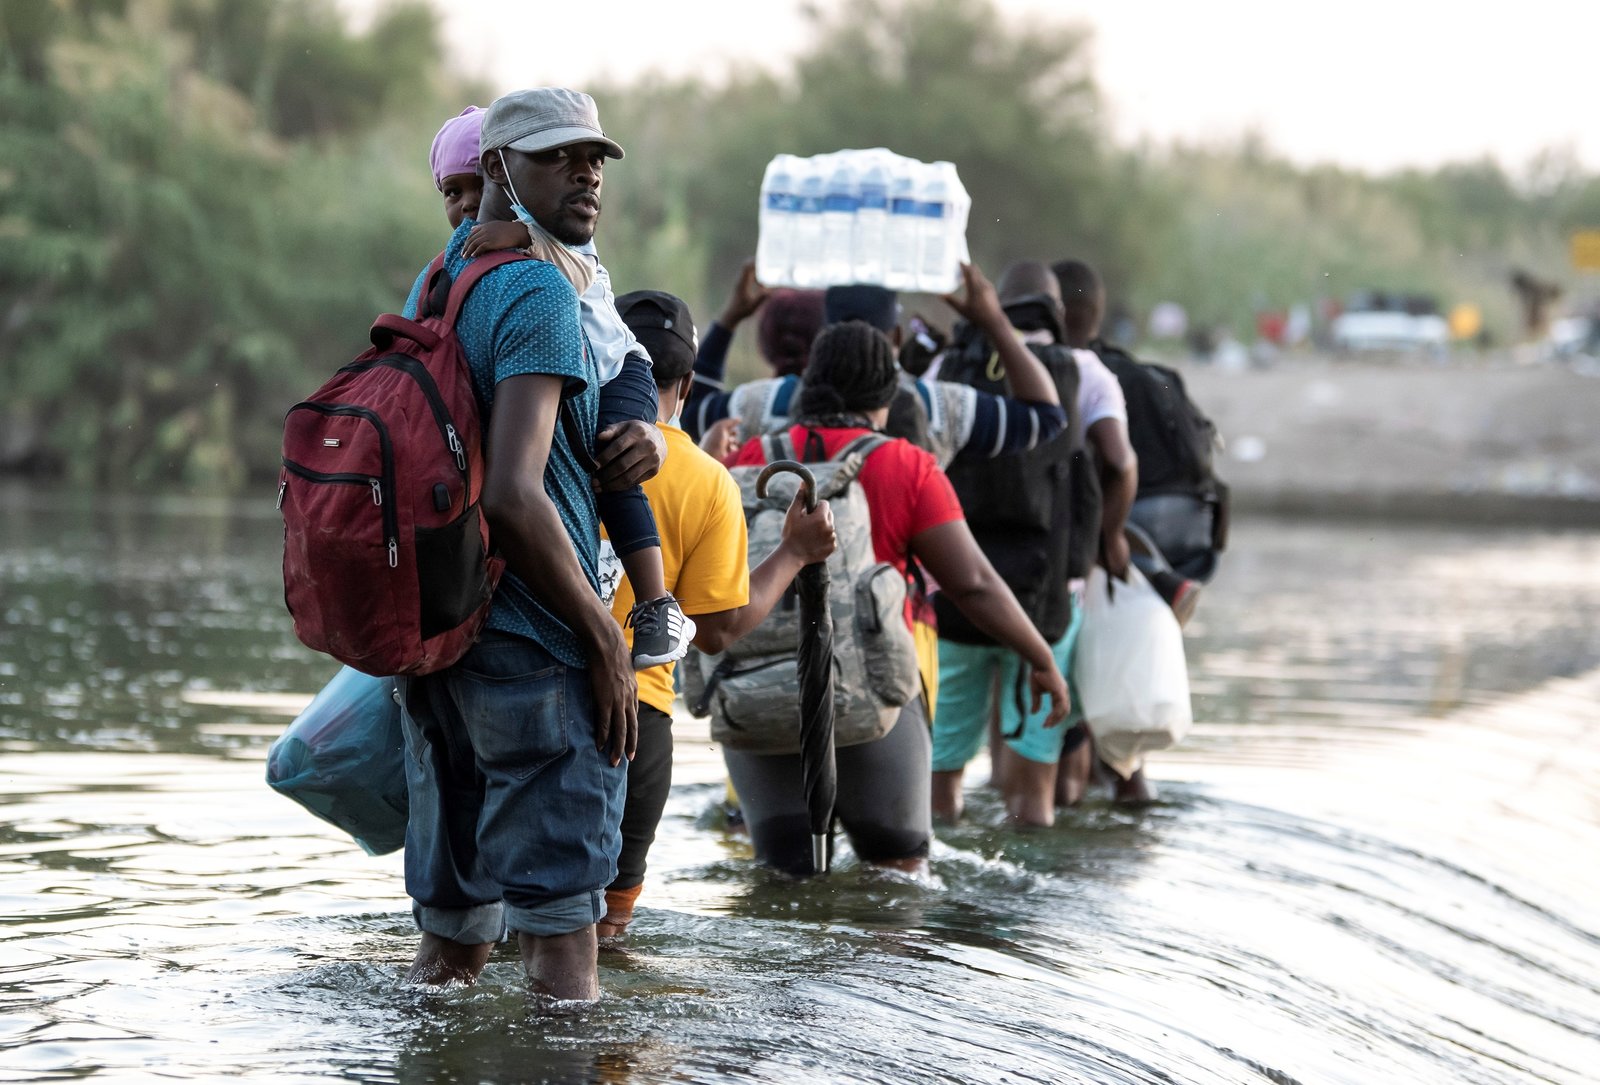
point(1375, 860)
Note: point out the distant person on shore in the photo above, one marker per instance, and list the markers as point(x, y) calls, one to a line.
point(701, 518)
point(628, 393)
point(514, 755)
point(1538, 298)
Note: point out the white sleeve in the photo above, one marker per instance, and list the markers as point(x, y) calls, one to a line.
point(1099, 392)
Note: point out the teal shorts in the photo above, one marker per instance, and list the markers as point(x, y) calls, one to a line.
point(970, 678)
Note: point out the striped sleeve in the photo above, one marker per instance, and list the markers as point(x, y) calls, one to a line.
point(708, 401)
point(1001, 425)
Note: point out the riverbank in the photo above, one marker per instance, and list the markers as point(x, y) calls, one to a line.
point(1479, 441)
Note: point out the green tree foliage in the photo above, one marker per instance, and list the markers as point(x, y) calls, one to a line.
point(203, 203)
point(303, 70)
point(174, 273)
point(1014, 107)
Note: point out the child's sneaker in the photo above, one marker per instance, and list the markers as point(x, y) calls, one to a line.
point(661, 632)
point(1180, 593)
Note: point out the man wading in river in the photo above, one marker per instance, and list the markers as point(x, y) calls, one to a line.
point(515, 754)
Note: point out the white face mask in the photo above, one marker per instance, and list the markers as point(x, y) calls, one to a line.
point(578, 268)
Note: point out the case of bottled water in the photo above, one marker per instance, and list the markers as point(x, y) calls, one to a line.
point(862, 216)
point(779, 198)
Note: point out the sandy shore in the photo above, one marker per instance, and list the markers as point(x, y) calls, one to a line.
point(1468, 441)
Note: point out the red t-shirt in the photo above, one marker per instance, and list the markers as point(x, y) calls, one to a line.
point(906, 492)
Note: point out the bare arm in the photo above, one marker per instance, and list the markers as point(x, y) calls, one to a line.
point(807, 538)
point(528, 530)
point(967, 579)
point(1119, 482)
point(1027, 376)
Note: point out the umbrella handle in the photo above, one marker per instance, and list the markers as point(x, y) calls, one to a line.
point(808, 481)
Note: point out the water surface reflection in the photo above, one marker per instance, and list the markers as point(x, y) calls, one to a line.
point(1369, 864)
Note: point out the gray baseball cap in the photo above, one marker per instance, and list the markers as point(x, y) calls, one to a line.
point(542, 119)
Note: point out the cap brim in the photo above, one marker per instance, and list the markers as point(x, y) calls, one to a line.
point(552, 138)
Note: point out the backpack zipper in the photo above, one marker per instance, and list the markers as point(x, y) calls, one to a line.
point(382, 487)
point(430, 391)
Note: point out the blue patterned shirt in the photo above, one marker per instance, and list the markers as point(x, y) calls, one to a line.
point(523, 318)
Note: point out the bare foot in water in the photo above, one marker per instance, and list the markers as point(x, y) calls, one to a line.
point(441, 962)
point(1134, 791)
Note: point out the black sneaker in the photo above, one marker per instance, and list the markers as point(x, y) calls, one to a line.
point(661, 632)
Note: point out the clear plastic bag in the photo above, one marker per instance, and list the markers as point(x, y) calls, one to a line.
point(1130, 671)
point(344, 760)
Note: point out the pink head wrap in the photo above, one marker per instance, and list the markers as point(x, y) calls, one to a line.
point(455, 148)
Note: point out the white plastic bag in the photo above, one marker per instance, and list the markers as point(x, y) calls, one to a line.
point(1132, 679)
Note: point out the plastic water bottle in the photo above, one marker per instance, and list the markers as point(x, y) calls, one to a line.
point(775, 249)
point(806, 248)
point(934, 265)
point(905, 238)
point(839, 203)
point(960, 210)
point(869, 252)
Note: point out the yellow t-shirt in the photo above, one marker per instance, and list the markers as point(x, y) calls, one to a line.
point(700, 519)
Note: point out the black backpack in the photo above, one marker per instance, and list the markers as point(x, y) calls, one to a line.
point(1173, 438)
point(1018, 505)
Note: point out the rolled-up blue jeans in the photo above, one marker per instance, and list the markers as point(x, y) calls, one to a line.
point(515, 814)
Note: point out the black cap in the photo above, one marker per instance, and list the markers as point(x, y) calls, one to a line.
point(874, 305)
point(663, 323)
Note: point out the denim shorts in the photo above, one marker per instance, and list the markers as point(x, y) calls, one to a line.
point(515, 814)
point(971, 677)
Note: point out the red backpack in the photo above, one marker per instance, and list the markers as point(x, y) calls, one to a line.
point(386, 560)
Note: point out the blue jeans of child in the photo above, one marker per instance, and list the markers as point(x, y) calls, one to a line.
point(515, 814)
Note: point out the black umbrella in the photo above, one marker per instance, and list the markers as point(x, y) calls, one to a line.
point(814, 673)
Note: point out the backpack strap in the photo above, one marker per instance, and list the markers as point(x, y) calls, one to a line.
point(441, 298)
point(475, 270)
point(851, 459)
point(866, 444)
point(462, 286)
point(435, 290)
point(783, 397)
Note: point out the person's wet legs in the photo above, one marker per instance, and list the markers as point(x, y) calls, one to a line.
point(1133, 791)
point(514, 816)
point(1030, 789)
point(440, 961)
point(967, 676)
point(883, 800)
point(649, 782)
point(947, 800)
point(1027, 759)
point(562, 966)
point(883, 794)
point(1076, 767)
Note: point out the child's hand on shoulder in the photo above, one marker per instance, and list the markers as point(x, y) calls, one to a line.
point(494, 236)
